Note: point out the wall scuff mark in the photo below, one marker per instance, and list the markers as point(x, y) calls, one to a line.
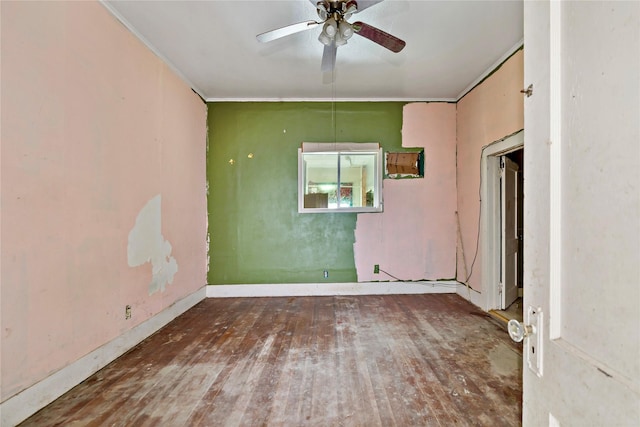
point(146, 244)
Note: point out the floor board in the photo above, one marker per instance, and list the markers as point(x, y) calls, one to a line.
point(393, 360)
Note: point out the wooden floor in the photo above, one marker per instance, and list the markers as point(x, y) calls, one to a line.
point(407, 360)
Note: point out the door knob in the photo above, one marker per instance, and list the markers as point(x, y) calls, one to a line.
point(518, 331)
point(533, 329)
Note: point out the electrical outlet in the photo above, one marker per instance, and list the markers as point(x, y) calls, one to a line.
point(127, 312)
point(325, 274)
point(376, 269)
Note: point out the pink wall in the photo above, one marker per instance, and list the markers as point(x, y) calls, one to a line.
point(488, 113)
point(415, 237)
point(94, 126)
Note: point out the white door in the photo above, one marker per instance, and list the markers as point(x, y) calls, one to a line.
point(509, 234)
point(582, 213)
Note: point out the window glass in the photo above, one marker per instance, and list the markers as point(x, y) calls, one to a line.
point(345, 180)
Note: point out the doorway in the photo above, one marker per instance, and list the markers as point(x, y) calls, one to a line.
point(502, 226)
point(511, 234)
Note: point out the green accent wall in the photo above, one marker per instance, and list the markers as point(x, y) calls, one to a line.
point(256, 234)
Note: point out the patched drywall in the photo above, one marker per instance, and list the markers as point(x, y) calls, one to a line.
point(147, 245)
point(415, 237)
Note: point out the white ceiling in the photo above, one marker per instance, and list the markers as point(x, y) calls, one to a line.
point(451, 45)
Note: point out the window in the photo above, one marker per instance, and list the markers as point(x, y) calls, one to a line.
point(339, 177)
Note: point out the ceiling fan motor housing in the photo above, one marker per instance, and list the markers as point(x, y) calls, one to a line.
point(334, 14)
point(339, 10)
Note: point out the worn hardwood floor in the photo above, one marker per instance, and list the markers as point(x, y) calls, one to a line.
point(405, 360)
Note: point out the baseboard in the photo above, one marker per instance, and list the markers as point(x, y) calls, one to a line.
point(331, 289)
point(470, 294)
point(26, 403)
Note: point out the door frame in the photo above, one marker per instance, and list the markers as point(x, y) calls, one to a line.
point(490, 221)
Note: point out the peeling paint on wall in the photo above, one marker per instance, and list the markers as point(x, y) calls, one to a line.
point(146, 244)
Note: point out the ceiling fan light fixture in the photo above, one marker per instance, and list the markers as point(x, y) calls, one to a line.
point(323, 10)
point(330, 28)
point(345, 30)
point(349, 8)
point(339, 40)
point(324, 39)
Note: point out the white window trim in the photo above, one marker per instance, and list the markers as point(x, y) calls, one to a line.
point(341, 148)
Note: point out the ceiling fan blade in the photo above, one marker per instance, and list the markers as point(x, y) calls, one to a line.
point(376, 35)
point(286, 31)
point(329, 58)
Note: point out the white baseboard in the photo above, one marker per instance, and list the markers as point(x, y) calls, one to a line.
point(470, 294)
point(26, 403)
point(330, 289)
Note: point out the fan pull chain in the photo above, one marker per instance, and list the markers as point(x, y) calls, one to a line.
point(333, 105)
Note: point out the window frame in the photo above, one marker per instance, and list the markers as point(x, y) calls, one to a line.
point(339, 149)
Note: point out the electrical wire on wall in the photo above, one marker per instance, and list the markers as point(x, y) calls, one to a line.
point(433, 283)
point(333, 105)
point(475, 255)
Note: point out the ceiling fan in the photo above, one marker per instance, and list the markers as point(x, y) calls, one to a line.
point(336, 30)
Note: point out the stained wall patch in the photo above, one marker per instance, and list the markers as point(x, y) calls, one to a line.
point(146, 244)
